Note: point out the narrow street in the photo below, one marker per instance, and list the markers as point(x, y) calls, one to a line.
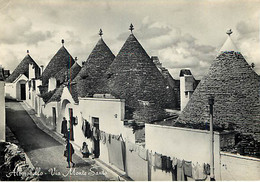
point(45, 153)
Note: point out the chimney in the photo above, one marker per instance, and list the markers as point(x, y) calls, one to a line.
point(27, 52)
point(42, 68)
point(62, 42)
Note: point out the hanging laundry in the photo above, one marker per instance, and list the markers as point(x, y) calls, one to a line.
point(153, 160)
point(117, 137)
point(158, 160)
point(101, 135)
point(88, 130)
point(131, 147)
point(187, 168)
point(76, 120)
point(174, 174)
point(109, 138)
point(116, 153)
point(96, 133)
point(174, 162)
point(142, 153)
point(164, 159)
point(136, 167)
point(168, 164)
point(84, 127)
point(198, 172)
point(207, 169)
point(180, 171)
point(104, 138)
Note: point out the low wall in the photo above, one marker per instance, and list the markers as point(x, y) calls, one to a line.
point(182, 143)
point(239, 168)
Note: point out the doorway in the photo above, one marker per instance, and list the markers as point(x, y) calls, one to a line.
point(54, 118)
point(23, 91)
point(96, 142)
point(72, 122)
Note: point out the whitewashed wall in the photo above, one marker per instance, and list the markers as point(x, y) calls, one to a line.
point(239, 168)
point(46, 114)
point(2, 110)
point(10, 91)
point(182, 143)
point(109, 111)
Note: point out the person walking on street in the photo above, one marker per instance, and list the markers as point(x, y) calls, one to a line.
point(69, 153)
point(64, 128)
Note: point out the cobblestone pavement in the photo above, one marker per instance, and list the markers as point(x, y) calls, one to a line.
point(46, 154)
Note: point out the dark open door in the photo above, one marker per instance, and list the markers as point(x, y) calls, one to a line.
point(54, 118)
point(96, 139)
point(71, 133)
point(23, 92)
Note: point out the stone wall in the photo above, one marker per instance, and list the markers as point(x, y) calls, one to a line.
point(13, 164)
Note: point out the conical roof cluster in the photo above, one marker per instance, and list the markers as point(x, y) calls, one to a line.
point(66, 74)
point(134, 77)
point(93, 71)
point(62, 60)
point(23, 68)
point(235, 87)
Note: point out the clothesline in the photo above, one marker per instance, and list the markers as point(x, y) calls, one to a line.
point(180, 168)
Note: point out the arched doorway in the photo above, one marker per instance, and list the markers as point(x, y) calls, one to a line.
point(64, 112)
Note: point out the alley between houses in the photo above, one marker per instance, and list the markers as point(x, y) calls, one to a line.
point(45, 153)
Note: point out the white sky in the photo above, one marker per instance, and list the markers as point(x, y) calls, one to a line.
point(183, 33)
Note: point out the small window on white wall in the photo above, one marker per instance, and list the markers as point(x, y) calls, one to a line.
point(186, 94)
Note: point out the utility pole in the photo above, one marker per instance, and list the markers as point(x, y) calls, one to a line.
point(211, 103)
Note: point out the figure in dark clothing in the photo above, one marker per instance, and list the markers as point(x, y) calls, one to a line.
point(64, 128)
point(70, 152)
point(70, 130)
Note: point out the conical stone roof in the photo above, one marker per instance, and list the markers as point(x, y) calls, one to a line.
point(67, 74)
point(235, 86)
point(133, 76)
point(62, 79)
point(61, 60)
point(92, 72)
point(23, 68)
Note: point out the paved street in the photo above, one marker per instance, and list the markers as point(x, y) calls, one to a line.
point(46, 153)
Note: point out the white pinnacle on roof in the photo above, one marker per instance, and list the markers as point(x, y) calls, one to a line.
point(229, 45)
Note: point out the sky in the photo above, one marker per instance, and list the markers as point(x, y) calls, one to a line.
point(182, 33)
